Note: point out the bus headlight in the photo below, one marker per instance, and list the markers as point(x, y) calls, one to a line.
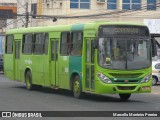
point(103, 78)
point(146, 79)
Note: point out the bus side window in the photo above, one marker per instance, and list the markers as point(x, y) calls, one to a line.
point(39, 43)
point(65, 43)
point(76, 44)
point(27, 44)
point(9, 44)
point(46, 37)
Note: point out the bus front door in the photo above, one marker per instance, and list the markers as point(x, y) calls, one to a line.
point(54, 63)
point(17, 60)
point(89, 81)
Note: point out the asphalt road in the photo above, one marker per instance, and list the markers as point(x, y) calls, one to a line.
point(15, 97)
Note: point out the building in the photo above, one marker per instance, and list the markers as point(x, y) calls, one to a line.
point(21, 10)
point(71, 11)
point(93, 10)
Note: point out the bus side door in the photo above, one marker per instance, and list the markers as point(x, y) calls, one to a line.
point(17, 59)
point(89, 64)
point(54, 62)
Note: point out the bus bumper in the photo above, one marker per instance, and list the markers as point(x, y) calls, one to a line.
point(103, 88)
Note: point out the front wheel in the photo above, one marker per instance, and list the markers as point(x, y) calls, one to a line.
point(76, 87)
point(124, 97)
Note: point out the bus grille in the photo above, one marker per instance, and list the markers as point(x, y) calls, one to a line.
point(129, 81)
point(119, 75)
point(126, 87)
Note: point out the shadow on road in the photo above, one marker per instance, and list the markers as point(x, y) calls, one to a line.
point(158, 84)
point(87, 96)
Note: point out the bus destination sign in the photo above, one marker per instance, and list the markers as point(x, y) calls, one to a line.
point(123, 30)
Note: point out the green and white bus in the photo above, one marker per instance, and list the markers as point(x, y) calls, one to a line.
point(97, 57)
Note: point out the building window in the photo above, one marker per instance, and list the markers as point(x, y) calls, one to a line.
point(34, 9)
point(80, 4)
point(111, 4)
point(151, 4)
point(45, 1)
point(131, 4)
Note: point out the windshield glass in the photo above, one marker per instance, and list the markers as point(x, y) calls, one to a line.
point(124, 53)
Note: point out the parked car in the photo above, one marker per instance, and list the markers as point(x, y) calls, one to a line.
point(1, 62)
point(155, 72)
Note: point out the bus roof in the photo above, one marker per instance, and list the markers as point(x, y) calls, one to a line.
point(73, 27)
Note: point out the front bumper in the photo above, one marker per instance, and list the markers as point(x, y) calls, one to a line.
point(103, 88)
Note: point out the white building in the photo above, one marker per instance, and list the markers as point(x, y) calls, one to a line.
point(108, 10)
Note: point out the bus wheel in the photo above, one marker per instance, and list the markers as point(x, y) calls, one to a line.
point(124, 97)
point(28, 79)
point(154, 80)
point(76, 87)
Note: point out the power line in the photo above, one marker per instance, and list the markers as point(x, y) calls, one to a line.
point(12, 22)
point(142, 10)
point(92, 16)
point(75, 13)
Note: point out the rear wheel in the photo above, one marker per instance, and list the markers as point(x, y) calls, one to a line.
point(28, 79)
point(154, 80)
point(124, 97)
point(77, 88)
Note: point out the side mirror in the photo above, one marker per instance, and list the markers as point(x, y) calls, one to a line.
point(95, 43)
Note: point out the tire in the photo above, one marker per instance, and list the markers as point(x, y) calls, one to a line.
point(124, 97)
point(77, 88)
point(154, 81)
point(28, 80)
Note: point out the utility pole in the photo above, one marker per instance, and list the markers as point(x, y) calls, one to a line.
point(27, 15)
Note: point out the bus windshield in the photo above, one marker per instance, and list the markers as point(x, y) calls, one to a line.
point(124, 53)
